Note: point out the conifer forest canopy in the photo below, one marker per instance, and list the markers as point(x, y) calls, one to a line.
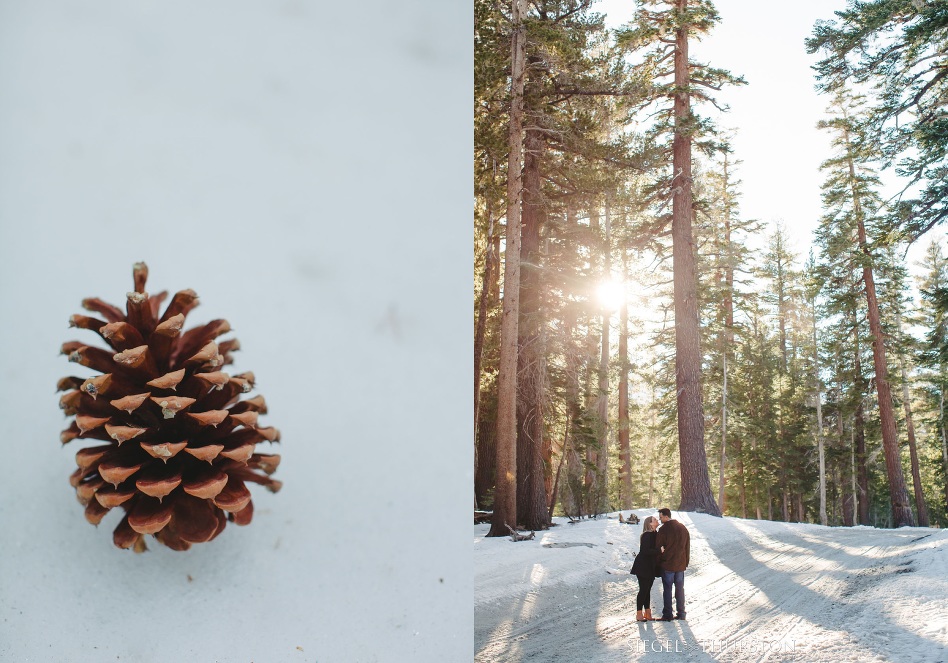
point(641, 342)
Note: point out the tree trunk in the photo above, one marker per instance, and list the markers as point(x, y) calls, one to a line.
point(781, 297)
point(532, 508)
point(696, 492)
point(741, 487)
point(485, 477)
point(625, 479)
point(858, 433)
point(728, 339)
point(650, 445)
point(572, 496)
point(898, 495)
point(479, 332)
point(819, 421)
point(505, 492)
point(901, 508)
point(920, 505)
point(602, 411)
point(591, 481)
point(559, 467)
point(721, 480)
point(862, 473)
point(849, 497)
point(602, 402)
point(944, 438)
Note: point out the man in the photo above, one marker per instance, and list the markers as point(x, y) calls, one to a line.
point(674, 544)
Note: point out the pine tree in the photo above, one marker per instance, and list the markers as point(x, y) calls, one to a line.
point(898, 49)
point(933, 357)
point(894, 303)
point(491, 144)
point(661, 33)
point(754, 407)
point(850, 200)
point(723, 262)
point(784, 297)
point(505, 495)
point(812, 292)
point(625, 451)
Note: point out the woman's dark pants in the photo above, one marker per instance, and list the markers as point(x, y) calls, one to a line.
point(643, 599)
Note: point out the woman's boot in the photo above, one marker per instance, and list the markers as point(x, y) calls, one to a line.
point(639, 616)
point(648, 614)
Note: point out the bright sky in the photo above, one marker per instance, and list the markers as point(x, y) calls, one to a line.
point(775, 114)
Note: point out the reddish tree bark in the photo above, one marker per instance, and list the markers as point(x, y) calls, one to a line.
point(532, 511)
point(625, 478)
point(901, 508)
point(920, 504)
point(505, 492)
point(696, 492)
point(859, 439)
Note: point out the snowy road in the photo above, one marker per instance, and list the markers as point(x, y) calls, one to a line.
point(756, 591)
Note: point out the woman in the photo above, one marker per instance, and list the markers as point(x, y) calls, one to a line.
point(645, 569)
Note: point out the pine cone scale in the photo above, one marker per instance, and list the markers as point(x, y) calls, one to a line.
point(244, 516)
point(95, 512)
point(206, 483)
point(168, 380)
point(149, 515)
point(90, 456)
point(121, 336)
point(130, 403)
point(115, 472)
point(108, 311)
point(207, 453)
point(138, 312)
point(159, 486)
point(195, 519)
point(111, 496)
point(234, 496)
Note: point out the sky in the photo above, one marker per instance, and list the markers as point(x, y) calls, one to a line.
point(776, 113)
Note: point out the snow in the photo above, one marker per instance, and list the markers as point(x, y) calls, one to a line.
point(293, 164)
point(755, 591)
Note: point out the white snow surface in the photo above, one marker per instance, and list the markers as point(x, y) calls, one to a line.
point(294, 164)
point(755, 591)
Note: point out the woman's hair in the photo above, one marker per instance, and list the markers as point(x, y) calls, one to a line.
point(650, 524)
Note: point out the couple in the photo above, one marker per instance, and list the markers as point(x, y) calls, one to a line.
point(663, 554)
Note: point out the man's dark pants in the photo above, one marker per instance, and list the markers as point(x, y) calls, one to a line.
point(678, 579)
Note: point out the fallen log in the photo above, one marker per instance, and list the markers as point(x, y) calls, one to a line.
point(517, 536)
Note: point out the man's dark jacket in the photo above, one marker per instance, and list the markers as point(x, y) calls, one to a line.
point(677, 542)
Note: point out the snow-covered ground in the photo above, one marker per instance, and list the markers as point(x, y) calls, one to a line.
point(755, 591)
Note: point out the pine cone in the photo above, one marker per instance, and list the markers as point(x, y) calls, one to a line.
point(179, 443)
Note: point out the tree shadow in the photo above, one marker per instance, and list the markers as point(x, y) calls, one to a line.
point(785, 592)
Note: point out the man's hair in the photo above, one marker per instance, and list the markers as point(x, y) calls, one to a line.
point(665, 512)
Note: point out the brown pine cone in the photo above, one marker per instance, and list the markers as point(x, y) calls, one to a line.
point(179, 444)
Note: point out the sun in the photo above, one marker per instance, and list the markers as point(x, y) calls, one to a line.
point(611, 294)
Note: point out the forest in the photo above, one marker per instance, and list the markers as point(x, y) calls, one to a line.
point(639, 342)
